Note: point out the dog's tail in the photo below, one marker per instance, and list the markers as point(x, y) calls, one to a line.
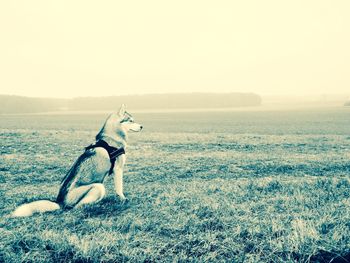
point(40, 206)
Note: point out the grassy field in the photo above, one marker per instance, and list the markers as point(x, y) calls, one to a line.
point(255, 186)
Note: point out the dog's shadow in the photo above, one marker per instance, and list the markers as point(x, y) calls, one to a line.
point(110, 206)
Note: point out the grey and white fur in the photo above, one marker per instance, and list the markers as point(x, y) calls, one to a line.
point(83, 184)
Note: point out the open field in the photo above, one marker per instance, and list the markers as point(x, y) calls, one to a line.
point(257, 186)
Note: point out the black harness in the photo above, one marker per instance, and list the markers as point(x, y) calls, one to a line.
point(113, 152)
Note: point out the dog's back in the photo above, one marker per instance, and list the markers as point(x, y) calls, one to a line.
point(91, 167)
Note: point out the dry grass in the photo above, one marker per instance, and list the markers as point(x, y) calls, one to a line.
point(203, 197)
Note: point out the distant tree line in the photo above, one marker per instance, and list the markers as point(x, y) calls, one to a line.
point(167, 101)
point(17, 104)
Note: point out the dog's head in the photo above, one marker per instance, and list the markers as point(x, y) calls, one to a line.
point(118, 124)
point(127, 121)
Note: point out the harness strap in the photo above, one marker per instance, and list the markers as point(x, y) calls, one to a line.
point(113, 152)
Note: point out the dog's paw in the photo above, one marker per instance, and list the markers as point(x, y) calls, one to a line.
point(123, 199)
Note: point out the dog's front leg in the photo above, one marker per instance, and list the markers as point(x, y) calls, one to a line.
point(118, 183)
point(118, 177)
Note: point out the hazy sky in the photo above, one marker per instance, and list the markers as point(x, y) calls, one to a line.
point(98, 48)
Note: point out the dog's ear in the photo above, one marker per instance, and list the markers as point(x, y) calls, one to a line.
point(122, 110)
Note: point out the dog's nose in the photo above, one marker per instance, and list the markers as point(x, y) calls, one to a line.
point(141, 127)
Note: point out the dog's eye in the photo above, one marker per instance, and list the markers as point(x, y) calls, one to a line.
point(127, 120)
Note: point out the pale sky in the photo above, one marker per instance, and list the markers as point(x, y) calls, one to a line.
point(69, 48)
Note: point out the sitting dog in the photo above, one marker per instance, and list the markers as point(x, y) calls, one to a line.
point(83, 184)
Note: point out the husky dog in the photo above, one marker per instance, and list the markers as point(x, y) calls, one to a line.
point(83, 184)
